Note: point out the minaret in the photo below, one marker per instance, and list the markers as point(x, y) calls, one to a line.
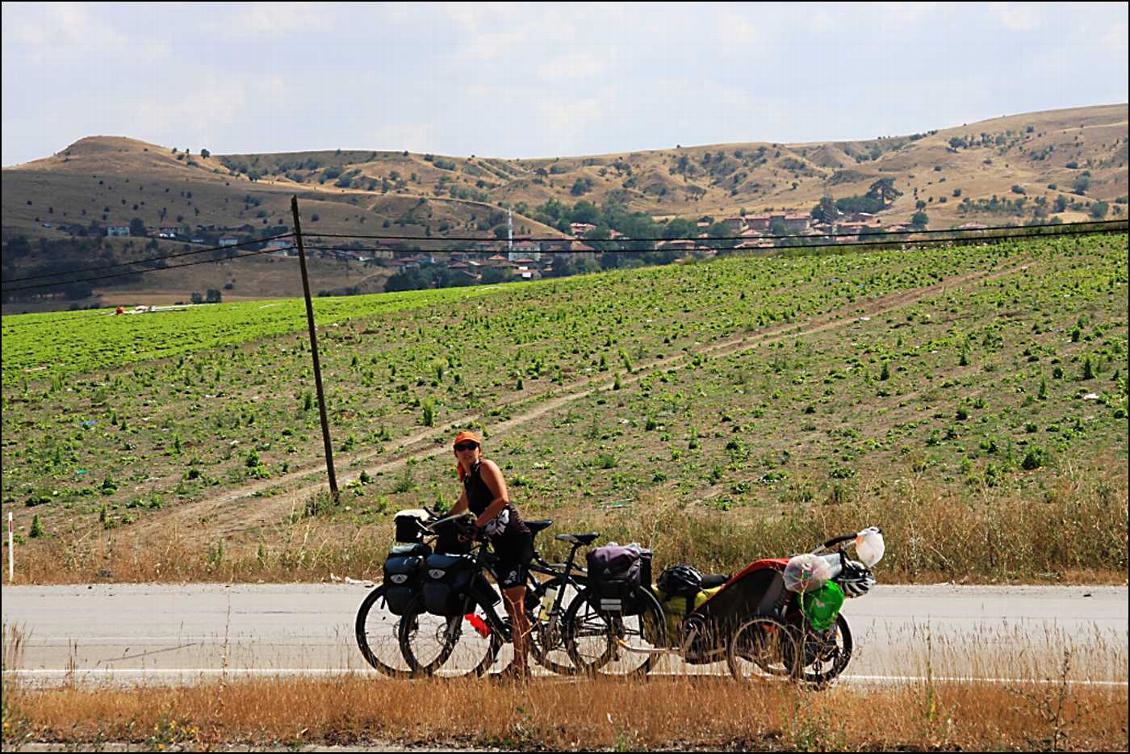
point(510, 236)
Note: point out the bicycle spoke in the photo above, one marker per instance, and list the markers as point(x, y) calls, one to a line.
point(376, 631)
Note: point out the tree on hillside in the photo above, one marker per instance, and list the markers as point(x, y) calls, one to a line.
point(682, 165)
point(137, 227)
point(884, 190)
point(825, 211)
point(581, 186)
point(919, 219)
point(680, 227)
point(585, 212)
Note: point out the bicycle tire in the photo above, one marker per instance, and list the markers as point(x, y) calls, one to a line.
point(761, 648)
point(606, 643)
point(377, 631)
point(838, 657)
point(447, 646)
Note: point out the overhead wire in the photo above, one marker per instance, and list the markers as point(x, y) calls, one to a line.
point(1018, 232)
point(712, 245)
point(148, 260)
point(560, 239)
point(139, 272)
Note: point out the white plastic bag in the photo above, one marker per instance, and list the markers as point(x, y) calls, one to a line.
point(806, 572)
point(869, 546)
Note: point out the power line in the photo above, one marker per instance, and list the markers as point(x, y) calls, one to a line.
point(709, 244)
point(1020, 232)
point(560, 239)
point(600, 242)
point(147, 260)
point(141, 272)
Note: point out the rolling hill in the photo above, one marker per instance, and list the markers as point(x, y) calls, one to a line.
point(1008, 170)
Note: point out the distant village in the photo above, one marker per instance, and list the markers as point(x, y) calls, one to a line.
point(530, 259)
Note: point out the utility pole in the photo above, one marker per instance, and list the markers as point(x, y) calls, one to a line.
point(314, 350)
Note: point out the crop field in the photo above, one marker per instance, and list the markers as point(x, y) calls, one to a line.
point(712, 408)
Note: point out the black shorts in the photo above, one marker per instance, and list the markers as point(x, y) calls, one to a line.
point(515, 551)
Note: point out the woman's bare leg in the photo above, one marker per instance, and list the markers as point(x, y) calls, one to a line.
point(515, 599)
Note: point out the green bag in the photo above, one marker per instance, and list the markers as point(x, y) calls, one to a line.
point(821, 606)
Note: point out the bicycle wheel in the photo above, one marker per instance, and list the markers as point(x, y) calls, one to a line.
point(547, 638)
point(377, 635)
point(448, 647)
point(612, 643)
point(761, 648)
point(826, 655)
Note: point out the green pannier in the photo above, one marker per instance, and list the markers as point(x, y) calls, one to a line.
point(821, 606)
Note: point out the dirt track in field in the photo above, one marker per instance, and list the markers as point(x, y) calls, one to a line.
point(239, 510)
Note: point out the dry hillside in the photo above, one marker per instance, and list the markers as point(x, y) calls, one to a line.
point(1078, 154)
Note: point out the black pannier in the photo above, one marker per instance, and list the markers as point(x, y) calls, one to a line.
point(404, 573)
point(616, 572)
point(448, 578)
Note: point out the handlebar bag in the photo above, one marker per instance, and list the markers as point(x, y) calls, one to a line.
point(403, 575)
point(410, 525)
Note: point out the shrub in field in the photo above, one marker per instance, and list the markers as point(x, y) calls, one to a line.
point(1034, 458)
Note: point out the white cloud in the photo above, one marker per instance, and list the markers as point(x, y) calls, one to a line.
point(51, 31)
point(271, 20)
point(737, 31)
point(906, 14)
point(1018, 16)
point(565, 123)
point(1113, 40)
point(574, 65)
point(199, 111)
point(415, 137)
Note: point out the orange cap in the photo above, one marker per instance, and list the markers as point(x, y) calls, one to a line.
point(467, 436)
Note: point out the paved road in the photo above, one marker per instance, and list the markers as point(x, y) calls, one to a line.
point(179, 633)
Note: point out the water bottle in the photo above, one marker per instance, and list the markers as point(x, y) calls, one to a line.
point(547, 602)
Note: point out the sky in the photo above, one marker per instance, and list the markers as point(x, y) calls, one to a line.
point(539, 80)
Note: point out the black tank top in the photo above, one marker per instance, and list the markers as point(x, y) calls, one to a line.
point(479, 498)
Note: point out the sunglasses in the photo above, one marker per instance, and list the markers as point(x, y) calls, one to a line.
point(466, 446)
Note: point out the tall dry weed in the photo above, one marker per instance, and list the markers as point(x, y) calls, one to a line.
point(662, 713)
point(1066, 528)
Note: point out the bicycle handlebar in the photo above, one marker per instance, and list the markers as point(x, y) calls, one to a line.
point(838, 540)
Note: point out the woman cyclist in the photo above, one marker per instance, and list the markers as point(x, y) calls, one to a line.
point(485, 495)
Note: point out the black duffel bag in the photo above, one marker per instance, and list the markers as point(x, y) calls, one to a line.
point(404, 575)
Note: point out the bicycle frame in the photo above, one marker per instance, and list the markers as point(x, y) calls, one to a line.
point(564, 571)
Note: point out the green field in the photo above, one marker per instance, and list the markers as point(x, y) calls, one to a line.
point(740, 390)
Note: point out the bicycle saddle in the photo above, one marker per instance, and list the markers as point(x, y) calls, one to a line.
point(578, 539)
point(536, 526)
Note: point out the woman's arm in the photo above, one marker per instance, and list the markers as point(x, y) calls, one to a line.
point(492, 477)
point(460, 505)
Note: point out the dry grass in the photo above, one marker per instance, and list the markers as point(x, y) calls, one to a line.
point(575, 715)
point(1072, 532)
